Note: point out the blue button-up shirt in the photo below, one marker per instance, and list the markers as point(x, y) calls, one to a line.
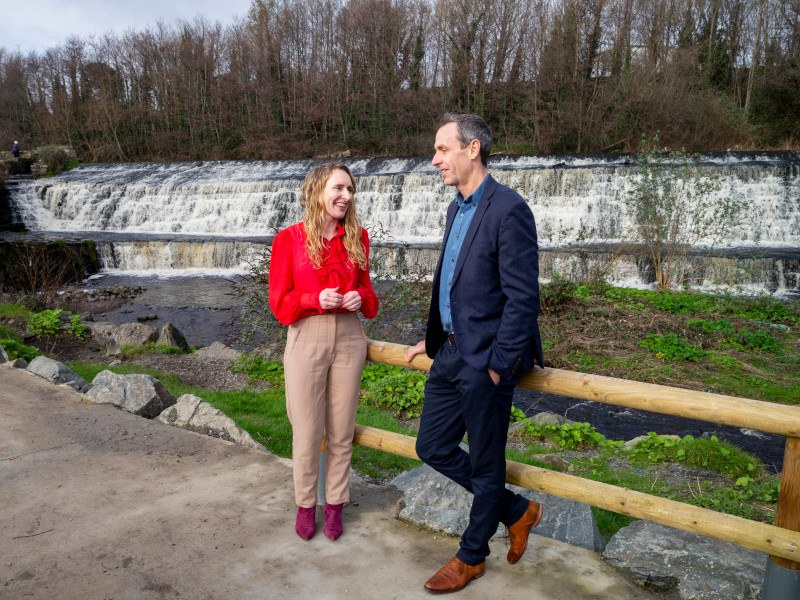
point(466, 210)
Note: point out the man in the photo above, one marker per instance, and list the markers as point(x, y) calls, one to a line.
point(483, 335)
point(15, 149)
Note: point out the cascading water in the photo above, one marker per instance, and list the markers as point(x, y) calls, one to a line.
point(219, 214)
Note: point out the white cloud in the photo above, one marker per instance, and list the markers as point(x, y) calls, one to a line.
point(37, 26)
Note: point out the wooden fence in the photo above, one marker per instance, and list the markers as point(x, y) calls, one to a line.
point(781, 541)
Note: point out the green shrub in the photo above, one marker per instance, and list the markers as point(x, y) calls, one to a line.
point(768, 310)
point(16, 349)
point(46, 322)
point(55, 158)
point(671, 347)
point(166, 349)
point(394, 388)
point(128, 350)
point(32, 303)
point(77, 328)
point(569, 436)
point(760, 341)
point(706, 453)
point(682, 303)
point(557, 293)
point(721, 326)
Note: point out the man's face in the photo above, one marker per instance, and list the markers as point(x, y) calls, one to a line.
point(454, 161)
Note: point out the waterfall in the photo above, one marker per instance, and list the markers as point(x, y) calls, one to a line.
point(577, 201)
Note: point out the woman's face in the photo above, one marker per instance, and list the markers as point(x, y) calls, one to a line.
point(338, 195)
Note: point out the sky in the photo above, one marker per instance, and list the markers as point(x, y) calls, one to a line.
point(36, 26)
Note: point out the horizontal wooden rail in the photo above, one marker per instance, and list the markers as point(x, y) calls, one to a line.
point(713, 408)
point(750, 534)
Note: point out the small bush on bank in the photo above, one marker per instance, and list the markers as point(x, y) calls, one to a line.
point(671, 347)
point(46, 322)
point(722, 326)
point(706, 453)
point(56, 159)
point(557, 293)
point(394, 388)
point(760, 341)
point(16, 349)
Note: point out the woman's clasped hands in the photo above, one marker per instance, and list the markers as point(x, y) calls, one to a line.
point(330, 298)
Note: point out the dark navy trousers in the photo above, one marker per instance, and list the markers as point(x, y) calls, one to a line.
point(461, 399)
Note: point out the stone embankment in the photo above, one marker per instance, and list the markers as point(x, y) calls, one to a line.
point(686, 566)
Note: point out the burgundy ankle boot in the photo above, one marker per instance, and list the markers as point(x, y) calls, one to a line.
point(305, 525)
point(333, 520)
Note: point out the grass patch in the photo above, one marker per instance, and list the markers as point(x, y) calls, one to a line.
point(14, 311)
point(259, 369)
point(671, 347)
point(609, 523)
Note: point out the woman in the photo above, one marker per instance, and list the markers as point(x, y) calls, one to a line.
point(318, 280)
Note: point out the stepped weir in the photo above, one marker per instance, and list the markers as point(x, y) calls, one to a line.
point(221, 214)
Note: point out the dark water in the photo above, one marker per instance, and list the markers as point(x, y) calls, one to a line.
point(202, 308)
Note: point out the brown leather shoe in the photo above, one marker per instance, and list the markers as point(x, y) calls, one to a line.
point(454, 576)
point(519, 531)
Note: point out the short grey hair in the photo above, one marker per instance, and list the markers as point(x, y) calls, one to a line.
point(471, 127)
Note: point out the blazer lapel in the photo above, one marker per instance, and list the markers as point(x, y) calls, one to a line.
point(451, 216)
point(480, 210)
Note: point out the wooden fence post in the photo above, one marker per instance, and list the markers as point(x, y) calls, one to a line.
point(788, 513)
point(782, 577)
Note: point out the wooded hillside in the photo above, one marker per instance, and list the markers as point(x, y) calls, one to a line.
point(297, 78)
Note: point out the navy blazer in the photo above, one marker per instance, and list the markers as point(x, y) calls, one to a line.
point(494, 297)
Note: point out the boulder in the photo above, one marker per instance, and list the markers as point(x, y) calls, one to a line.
point(3, 354)
point(18, 363)
point(548, 418)
point(218, 351)
point(434, 501)
point(56, 372)
point(138, 394)
point(690, 566)
point(171, 336)
point(100, 330)
point(191, 412)
point(133, 334)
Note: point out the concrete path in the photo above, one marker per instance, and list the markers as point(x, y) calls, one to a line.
point(96, 503)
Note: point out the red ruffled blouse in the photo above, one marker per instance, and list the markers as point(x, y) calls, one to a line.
point(294, 284)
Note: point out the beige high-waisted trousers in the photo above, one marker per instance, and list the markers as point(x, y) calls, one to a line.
point(323, 361)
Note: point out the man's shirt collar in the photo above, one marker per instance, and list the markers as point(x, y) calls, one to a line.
point(475, 197)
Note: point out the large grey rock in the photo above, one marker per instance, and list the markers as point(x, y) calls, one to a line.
point(218, 351)
point(130, 334)
point(3, 354)
point(548, 418)
point(434, 501)
point(138, 394)
point(191, 412)
point(56, 372)
point(171, 336)
point(100, 330)
point(692, 566)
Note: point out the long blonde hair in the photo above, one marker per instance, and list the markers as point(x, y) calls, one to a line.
point(314, 217)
